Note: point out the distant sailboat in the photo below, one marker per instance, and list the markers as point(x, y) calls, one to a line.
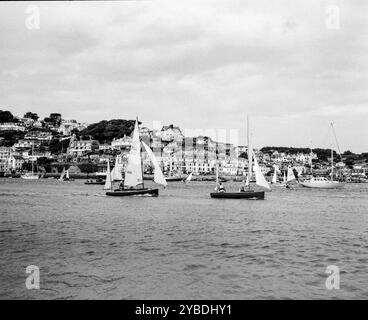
point(260, 179)
point(30, 175)
point(133, 180)
point(322, 182)
point(274, 177)
point(108, 182)
point(189, 178)
point(290, 175)
point(62, 175)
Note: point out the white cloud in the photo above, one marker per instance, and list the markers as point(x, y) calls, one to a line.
point(193, 63)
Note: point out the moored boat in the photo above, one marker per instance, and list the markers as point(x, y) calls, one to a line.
point(322, 182)
point(31, 175)
point(95, 182)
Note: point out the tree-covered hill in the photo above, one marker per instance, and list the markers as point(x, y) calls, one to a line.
point(105, 131)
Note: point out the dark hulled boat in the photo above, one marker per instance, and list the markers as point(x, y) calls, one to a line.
point(95, 182)
point(133, 192)
point(247, 193)
point(133, 184)
point(173, 179)
point(256, 195)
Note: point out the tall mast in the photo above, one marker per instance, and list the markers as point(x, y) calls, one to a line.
point(140, 153)
point(249, 154)
point(32, 159)
point(311, 159)
point(332, 169)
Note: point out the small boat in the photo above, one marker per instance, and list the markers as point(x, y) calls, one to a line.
point(249, 194)
point(133, 184)
point(64, 176)
point(322, 183)
point(95, 182)
point(30, 176)
point(189, 178)
point(173, 178)
point(246, 193)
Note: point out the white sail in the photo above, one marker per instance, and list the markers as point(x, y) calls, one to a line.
point(67, 174)
point(108, 183)
point(284, 179)
point(290, 175)
point(274, 178)
point(260, 179)
point(133, 171)
point(247, 182)
point(116, 171)
point(158, 175)
point(189, 178)
point(62, 175)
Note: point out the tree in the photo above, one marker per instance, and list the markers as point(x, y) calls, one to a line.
point(6, 116)
point(31, 115)
point(106, 131)
point(243, 155)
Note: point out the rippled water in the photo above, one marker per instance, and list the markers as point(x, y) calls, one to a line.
point(181, 245)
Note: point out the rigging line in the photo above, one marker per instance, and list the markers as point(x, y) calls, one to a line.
point(337, 143)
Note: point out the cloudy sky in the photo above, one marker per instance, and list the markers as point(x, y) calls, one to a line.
point(293, 66)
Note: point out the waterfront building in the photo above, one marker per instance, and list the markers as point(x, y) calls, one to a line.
point(11, 126)
point(81, 147)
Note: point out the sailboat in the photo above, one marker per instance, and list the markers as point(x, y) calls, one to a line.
point(62, 175)
point(260, 179)
point(31, 175)
point(189, 178)
point(108, 181)
point(171, 177)
point(133, 180)
point(274, 177)
point(322, 182)
point(116, 172)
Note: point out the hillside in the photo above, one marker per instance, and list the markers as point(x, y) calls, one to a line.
point(105, 131)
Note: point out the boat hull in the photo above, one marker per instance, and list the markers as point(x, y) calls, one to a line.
point(30, 177)
point(173, 179)
point(256, 195)
point(100, 183)
point(138, 192)
point(323, 185)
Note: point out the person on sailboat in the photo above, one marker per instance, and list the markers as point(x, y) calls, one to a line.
point(121, 185)
point(242, 188)
point(221, 188)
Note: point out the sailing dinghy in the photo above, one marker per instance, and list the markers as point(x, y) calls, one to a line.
point(133, 181)
point(248, 193)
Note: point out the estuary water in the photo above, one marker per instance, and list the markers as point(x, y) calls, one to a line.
point(183, 244)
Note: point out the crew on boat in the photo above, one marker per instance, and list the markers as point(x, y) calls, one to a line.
point(242, 189)
point(221, 188)
point(121, 185)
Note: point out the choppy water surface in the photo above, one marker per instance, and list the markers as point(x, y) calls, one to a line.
point(181, 245)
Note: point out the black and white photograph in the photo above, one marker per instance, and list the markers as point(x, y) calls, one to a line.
point(184, 150)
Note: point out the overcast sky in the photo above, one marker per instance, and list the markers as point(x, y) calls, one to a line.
point(293, 66)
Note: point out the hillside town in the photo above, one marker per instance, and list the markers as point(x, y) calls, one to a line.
point(55, 143)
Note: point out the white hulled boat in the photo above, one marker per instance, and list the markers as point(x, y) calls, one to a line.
point(322, 182)
point(31, 175)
